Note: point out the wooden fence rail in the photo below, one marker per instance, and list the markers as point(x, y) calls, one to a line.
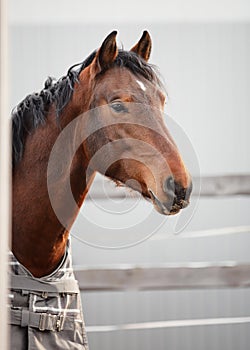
point(164, 277)
point(225, 185)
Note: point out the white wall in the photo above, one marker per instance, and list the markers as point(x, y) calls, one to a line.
point(111, 11)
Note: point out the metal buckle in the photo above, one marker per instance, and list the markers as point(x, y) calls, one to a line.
point(51, 322)
point(59, 323)
point(42, 322)
point(44, 295)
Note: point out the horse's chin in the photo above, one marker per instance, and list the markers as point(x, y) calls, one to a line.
point(165, 211)
point(161, 208)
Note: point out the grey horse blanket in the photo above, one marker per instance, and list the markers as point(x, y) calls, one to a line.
point(45, 313)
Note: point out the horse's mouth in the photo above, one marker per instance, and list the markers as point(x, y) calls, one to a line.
point(162, 209)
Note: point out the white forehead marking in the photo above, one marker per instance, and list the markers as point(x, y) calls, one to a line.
point(142, 86)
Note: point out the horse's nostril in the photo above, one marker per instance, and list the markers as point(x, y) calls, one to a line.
point(175, 190)
point(169, 185)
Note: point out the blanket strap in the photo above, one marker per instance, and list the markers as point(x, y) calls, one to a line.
point(42, 321)
point(32, 284)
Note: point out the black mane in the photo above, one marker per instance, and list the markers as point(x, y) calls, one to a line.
point(32, 111)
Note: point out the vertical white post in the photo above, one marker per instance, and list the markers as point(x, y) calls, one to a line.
point(4, 174)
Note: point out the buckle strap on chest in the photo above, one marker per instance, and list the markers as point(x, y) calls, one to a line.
point(42, 321)
point(32, 284)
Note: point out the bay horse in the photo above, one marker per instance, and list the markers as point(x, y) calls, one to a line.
point(112, 85)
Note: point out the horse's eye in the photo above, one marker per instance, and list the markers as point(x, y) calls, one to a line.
point(118, 107)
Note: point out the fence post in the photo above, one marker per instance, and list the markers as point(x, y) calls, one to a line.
point(4, 174)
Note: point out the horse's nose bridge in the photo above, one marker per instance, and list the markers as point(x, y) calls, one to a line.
point(177, 182)
point(177, 168)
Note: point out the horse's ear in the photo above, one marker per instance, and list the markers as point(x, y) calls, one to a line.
point(107, 53)
point(144, 46)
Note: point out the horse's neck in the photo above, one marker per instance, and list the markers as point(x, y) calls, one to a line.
point(39, 237)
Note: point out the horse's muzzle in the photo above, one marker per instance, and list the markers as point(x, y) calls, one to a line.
point(177, 197)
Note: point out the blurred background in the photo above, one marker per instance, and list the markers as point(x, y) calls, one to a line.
point(202, 49)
